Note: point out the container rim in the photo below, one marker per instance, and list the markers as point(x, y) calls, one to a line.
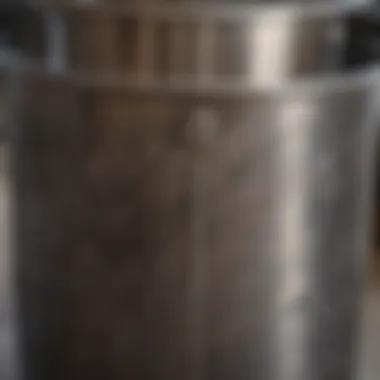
point(365, 77)
point(337, 82)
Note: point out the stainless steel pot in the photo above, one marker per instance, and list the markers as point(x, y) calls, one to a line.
point(197, 43)
point(183, 232)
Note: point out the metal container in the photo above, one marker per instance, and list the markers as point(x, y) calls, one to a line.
point(185, 232)
point(196, 43)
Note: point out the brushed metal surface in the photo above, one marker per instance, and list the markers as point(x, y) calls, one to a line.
point(256, 44)
point(191, 235)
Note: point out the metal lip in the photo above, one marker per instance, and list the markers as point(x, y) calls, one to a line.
point(214, 11)
point(317, 84)
point(252, 24)
point(365, 78)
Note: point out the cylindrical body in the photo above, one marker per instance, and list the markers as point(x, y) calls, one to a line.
point(165, 233)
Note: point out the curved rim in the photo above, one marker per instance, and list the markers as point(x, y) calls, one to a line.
point(365, 78)
point(214, 11)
